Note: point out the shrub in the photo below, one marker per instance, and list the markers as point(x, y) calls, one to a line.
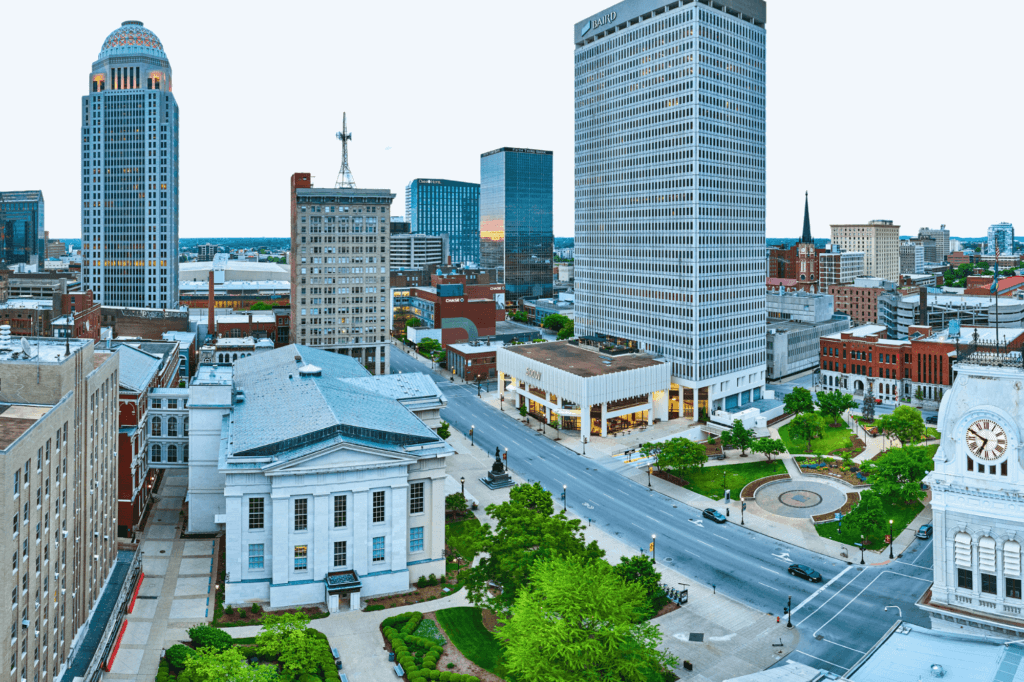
point(204, 635)
point(306, 677)
point(161, 677)
point(374, 607)
point(432, 597)
point(256, 608)
point(176, 656)
point(451, 665)
point(229, 610)
point(422, 582)
point(432, 580)
point(446, 676)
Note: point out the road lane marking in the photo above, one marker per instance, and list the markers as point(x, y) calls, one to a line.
point(866, 587)
point(772, 588)
point(697, 522)
point(819, 591)
point(703, 543)
point(765, 568)
point(804, 653)
point(921, 556)
point(784, 557)
point(843, 645)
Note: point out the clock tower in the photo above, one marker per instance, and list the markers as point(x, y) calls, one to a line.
point(978, 499)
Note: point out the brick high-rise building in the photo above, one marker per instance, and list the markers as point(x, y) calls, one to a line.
point(339, 270)
point(880, 242)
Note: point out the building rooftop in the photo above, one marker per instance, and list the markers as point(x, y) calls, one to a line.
point(260, 316)
point(17, 419)
point(480, 347)
point(582, 361)
point(39, 349)
point(986, 335)
point(28, 304)
point(859, 332)
point(137, 368)
point(248, 286)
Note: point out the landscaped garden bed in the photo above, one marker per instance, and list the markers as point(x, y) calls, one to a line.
point(708, 481)
point(851, 500)
point(832, 467)
point(750, 488)
point(901, 514)
point(418, 648)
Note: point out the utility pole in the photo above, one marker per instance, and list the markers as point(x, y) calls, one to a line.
point(345, 179)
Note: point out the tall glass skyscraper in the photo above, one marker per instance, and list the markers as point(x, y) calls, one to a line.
point(130, 173)
point(516, 228)
point(22, 231)
point(670, 186)
point(446, 207)
point(1000, 237)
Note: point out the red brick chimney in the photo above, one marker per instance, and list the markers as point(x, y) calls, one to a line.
point(209, 303)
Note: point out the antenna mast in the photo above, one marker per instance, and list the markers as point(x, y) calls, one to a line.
point(345, 178)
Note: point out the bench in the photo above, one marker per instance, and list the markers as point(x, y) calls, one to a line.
point(716, 456)
point(398, 670)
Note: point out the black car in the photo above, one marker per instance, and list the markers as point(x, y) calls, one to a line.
point(714, 515)
point(805, 572)
point(931, 420)
point(925, 531)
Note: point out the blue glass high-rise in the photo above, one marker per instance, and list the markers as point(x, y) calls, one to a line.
point(516, 227)
point(22, 235)
point(446, 207)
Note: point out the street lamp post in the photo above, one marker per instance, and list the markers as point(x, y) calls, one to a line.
point(471, 440)
point(564, 488)
point(463, 482)
point(653, 558)
point(891, 539)
point(861, 550)
point(648, 476)
point(789, 613)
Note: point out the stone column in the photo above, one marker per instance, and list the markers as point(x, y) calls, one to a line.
point(397, 543)
point(319, 524)
point(501, 385)
point(604, 420)
point(650, 409)
point(280, 523)
point(584, 422)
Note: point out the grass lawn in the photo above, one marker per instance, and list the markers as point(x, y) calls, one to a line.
point(832, 438)
point(707, 481)
point(465, 627)
point(901, 514)
point(456, 534)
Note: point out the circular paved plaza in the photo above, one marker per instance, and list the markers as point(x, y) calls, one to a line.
point(800, 499)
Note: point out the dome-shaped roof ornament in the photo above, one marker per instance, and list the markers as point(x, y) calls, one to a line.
point(132, 38)
point(310, 371)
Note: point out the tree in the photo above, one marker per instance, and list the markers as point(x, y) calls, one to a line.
point(896, 476)
point(444, 430)
point(555, 322)
point(769, 447)
point(639, 569)
point(209, 664)
point(807, 426)
point(867, 408)
point(834, 403)
point(519, 316)
point(554, 423)
point(177, 656)
point(739, 436)
point(680, 455)
point(580, 621)
point(798, 401)
point(206, 635)
point(526, 532)
point(428, 346)
point(288, 639)
point(260, 305)
point(456, 503)
point(905, 423)
point(868, 517)
point(918, 394)
point(567, 332)
point(413, 322)
point(522, 410)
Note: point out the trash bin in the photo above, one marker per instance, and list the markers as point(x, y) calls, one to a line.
point(391, 656)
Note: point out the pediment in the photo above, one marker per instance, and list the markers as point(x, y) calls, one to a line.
point(343, 457)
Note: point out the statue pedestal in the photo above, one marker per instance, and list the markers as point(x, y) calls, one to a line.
point(497, 477)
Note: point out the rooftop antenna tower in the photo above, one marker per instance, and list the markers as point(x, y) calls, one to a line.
point(345, 178)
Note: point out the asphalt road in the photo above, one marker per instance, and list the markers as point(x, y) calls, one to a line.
point(839, 619)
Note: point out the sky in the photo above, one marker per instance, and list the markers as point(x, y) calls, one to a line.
point(902, 110)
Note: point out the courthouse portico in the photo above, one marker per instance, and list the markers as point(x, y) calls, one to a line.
point(592, 388)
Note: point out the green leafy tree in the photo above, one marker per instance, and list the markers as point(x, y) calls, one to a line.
point(896, 476)
point(444, 430)
point(834, 403)
point(679, 455)
point(868, 517)
point(555, 322)
point(847, 458)
point(206, 635)
point(554, 423)
point(177, 656)
point(918, 394)
point(519, 316)
point(456, 503)
point(639, 569)
point(522, 410)
point(260, 305)
point(769, 447)
point(567, 332)
point(807, 426)
point(428, 346)
point(738, 436)
point(581, 621)
point(526, 531)
point(905, 424)
point(798, 401)
point(288, 639)
point(210, 664)
point(413, 322)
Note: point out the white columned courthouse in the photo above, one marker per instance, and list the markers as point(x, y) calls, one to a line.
point(670, 187)
point(130, 174)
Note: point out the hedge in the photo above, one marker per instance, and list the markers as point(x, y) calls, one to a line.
point(400, 641)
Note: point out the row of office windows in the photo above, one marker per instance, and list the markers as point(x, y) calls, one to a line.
point(257, 552)
point(300, 509)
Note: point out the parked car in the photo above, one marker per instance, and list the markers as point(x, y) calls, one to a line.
point(714, 515)
point(805, 572)
point(925, 531)
point(934, 419)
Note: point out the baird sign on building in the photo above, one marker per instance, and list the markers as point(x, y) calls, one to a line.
point(597, 22)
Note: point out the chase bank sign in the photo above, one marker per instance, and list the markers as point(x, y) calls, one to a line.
point(597, 22)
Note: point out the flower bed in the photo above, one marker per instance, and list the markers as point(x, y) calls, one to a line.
point(750, 488)
point(418, 656)
point(851, 501)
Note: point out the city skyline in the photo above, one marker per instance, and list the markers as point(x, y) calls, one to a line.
point(823, 88)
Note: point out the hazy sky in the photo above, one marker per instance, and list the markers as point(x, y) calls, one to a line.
point(899, 109)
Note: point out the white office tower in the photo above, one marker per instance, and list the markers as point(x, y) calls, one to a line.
point(130, 173)
point(670, 187)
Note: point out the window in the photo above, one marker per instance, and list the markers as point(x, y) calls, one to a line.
point(1011, 558)
point(1013, 588)
point(416, 498)
point(156, 426)
point(962, 550)
point(964, 578)
point(378, 549)
point(17, 483)
point(340, 511)
point(172, 453)
point(172, 426)
point(300, 557)
point(987, 555)
point(300, 513)
point(416, 539)
point(988, 583)
point(340, 553)
point(155, 403)
point(256, 557)
point(378, 507)
point(15, 524)
point(155, 454)
point(255, 513)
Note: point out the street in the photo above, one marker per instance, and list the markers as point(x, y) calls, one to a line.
point(839, 620)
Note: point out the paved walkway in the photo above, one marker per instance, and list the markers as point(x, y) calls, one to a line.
point(177, 591)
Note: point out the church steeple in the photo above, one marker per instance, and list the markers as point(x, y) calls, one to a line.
point(806, 238)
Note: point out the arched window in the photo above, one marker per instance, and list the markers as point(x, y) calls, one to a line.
point(987, 555)
point(184, 449)
point(962, 550)
point(234, 356)
point(185, 424)
point(1011, 558)
point(172, 453)
point(155, 453)
point(156, 423)
point(172, 426)
point(220, 357)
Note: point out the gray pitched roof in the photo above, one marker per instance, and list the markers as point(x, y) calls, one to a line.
point(413, 387)
point(137, 368)
point(284, 410)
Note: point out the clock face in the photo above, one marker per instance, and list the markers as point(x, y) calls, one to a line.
point(986, 439)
